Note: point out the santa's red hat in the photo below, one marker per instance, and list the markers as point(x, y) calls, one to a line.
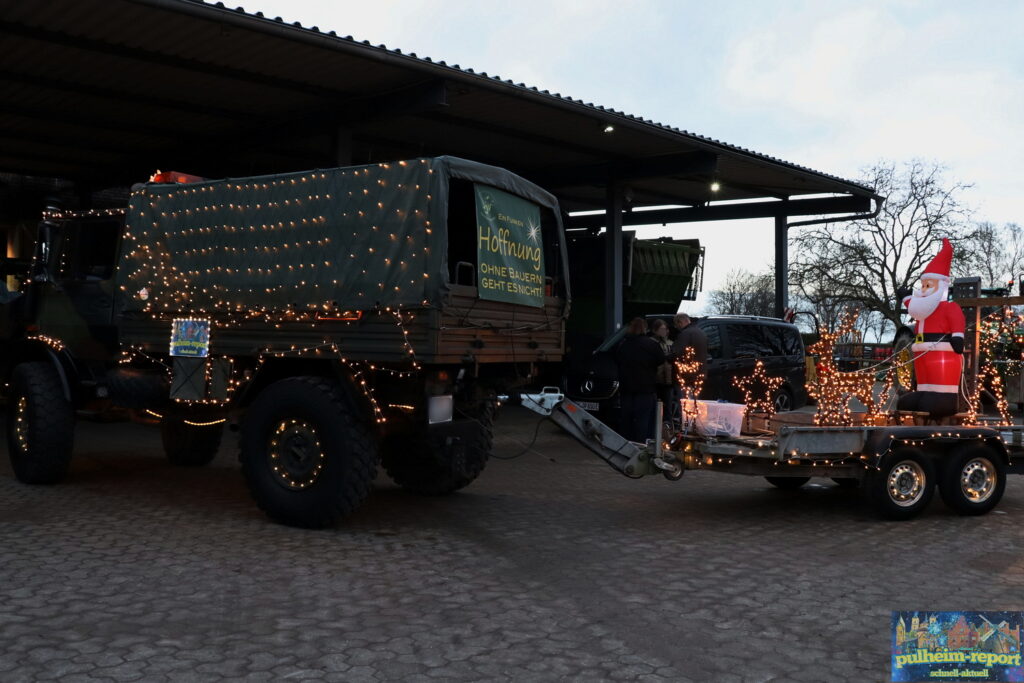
point(939, 267)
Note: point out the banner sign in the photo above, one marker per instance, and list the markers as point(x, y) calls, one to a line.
point(509, 248)
point(190, 338)
point(960, 646)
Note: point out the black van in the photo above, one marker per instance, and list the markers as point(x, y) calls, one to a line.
point(735, 343)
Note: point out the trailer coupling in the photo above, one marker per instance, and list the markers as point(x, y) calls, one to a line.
point(631, 459)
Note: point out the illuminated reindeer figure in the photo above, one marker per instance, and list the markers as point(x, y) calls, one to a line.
point(833, 389)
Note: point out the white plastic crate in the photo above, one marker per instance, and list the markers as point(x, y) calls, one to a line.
point(719, 419)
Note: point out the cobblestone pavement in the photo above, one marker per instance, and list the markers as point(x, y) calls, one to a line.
point(549, 567)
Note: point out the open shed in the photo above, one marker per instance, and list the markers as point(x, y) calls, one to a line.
point(99, 93)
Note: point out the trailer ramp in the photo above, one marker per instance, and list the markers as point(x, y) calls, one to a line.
point(627, 457)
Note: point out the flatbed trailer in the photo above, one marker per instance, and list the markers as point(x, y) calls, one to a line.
point(899, 467)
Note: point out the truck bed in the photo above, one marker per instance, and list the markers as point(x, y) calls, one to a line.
point(465, 327)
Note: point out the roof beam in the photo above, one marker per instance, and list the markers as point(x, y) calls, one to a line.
point(512, 133)
point(120, 97)
point(624, 170)
point(726, 212)
point(141, 54)
point(415, 99)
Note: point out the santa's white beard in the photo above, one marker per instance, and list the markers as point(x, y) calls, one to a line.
point(921, 306)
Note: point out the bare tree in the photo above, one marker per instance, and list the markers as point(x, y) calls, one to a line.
point(744, 293)
point(995, 253)
point(865, 262)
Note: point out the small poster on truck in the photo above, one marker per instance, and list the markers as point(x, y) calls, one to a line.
point(190, 338)
point(510, 248)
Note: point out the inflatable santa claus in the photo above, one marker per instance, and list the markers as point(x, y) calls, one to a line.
point(939, 341)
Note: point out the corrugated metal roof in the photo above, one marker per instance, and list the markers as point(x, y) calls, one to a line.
point(483, 76)
point(110, 89)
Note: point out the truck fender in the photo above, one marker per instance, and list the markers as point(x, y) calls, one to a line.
point(33, 351)
point(62, 373)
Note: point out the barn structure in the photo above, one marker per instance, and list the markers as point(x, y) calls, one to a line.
point(96, 94)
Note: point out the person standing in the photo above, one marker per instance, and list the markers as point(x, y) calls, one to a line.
point(689, 337)
point(638, 358)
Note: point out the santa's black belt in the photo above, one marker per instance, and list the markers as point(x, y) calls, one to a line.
point(931, 337)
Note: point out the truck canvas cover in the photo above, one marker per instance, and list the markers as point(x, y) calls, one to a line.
point(333, 239)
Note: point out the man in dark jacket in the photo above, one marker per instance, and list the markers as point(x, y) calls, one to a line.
point(689, 337)
point(638, 357)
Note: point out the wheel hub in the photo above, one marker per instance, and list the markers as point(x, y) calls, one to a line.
point(295, 455)
point(978, 480)
point(782, 402)
point(906, 483)
point(21, 424)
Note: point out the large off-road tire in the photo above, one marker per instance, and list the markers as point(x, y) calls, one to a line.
point(190, 445)
point(787, 483)
point(435, 466)
point(973, 480)
point(904, 484)
point(308, 454)
point(40, 425)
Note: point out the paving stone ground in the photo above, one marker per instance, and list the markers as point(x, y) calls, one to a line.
point(549, 567)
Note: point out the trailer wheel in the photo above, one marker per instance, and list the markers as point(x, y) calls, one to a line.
point(904, 484)
point(973, 480)
point(40, 425)
point(190, 445)
point(788, 483)
point(308, 457)
point(431, 468)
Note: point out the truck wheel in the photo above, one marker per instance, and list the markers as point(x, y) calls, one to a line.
point(904, 485)
point(40, 425)
point(973, 480)
point(190, 445)
point(434, 468)
point(307, 455)
point(788, 483)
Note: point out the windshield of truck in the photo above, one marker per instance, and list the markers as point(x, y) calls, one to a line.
point(89, 249)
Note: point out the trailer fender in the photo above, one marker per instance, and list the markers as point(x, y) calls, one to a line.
point(932, 438)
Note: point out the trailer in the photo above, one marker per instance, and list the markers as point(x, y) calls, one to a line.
point(898, 466)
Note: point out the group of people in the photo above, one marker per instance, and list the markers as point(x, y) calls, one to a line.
point(647, 374)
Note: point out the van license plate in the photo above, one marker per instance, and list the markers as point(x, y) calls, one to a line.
point(589, 405)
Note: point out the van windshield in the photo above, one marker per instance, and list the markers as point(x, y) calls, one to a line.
point(611, 342)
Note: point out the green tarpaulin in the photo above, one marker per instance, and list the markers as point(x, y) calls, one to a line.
point(344, 238)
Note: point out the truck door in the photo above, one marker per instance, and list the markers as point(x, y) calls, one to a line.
point(76, 308)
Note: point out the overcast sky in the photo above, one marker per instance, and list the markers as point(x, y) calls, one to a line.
point(830, 85)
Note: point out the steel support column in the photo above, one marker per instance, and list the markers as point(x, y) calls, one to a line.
point(613, 260)
point(781, 264)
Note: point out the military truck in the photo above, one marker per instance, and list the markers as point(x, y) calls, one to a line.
point(336, 318)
